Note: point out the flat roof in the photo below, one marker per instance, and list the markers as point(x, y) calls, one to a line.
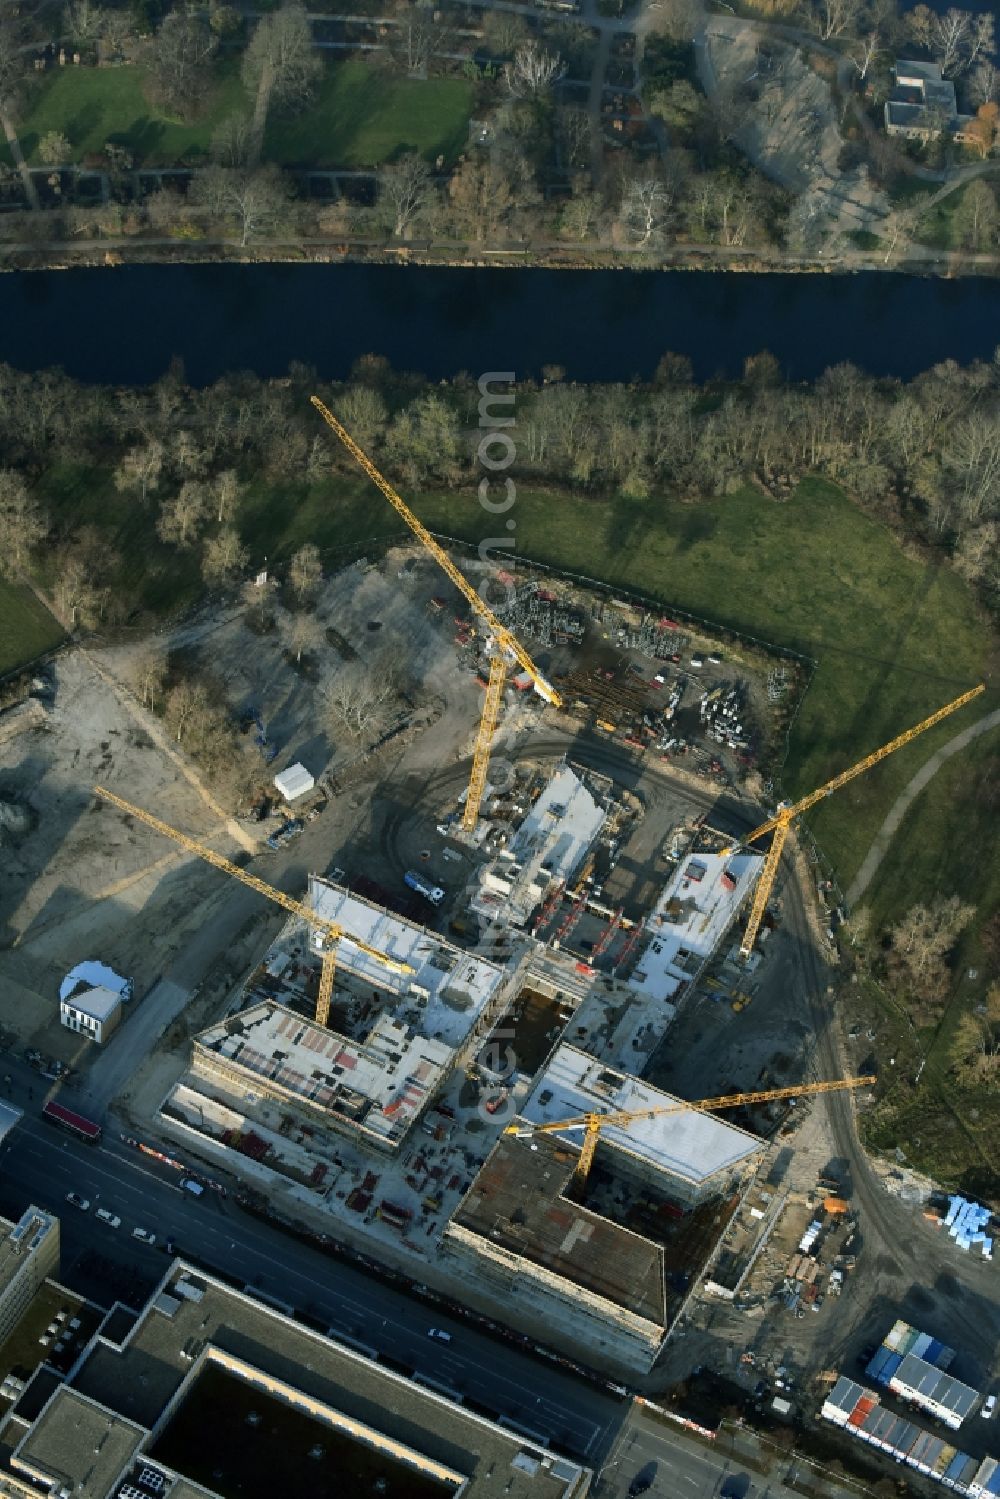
point(690, 919)
point(451, 987)
point(78, 1443)
point(199, 1312)
point(929, 1385)
point(560, 827)
point(379, 1084)
point(98, 1003)
point(518, 1201)
point(685, 1143)
point(19, 1240)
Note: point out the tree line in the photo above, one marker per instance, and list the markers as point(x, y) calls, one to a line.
point(922, 456)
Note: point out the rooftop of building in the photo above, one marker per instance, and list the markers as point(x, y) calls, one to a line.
point(927, 1383)
point(191, 1312)
point(519, 1201)
point(448, 989)
point(99, 1003)
point(379, 1084)
point(684, 1142)
point(690, 919)
point(78, 1443)
point(19, 1240)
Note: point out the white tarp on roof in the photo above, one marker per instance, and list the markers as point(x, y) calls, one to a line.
point(294, 782)
point(95, 975)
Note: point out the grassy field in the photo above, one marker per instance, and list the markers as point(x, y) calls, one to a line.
point(360, 117)
point(92, 106)
point(26, 627)
point(893, 638)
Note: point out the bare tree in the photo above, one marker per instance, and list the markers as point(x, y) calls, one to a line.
point(305, 635)
point(921, 943)
point(984, 83)
point(645, 207)
point(183, 51)
point(22, 524)
point(834, 17)
point(183, 515)
point(233, 143)
point(416, 36)
point(84, 22)
point(950, 35)
point(898, 228)
point(227, 495)
point(149, 674)
point(533, 72)
point(186, 703)
point(223, 559)
point(140, 469)
point(258, 201)
point(406, 188)
point(865, 54)
point(305, 572)
point(982, 38)
point(364, 413)
point(361, 699)
point(280, 66)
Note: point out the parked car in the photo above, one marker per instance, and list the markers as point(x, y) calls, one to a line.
point(75, 1200)
point(440, 1334)
point(192, 1185)
point(111, 1219)
point(144, 1236)
point(989, 1406)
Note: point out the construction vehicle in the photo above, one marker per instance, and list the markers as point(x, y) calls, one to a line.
point(593, 1123)
point(505, 645)
point(330, 931)
point(780, 824)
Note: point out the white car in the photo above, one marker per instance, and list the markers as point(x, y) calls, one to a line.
point(144, 1236)
point(440, 1334)
point(989, 1406)
point(75, 1200)
point(111, 1219)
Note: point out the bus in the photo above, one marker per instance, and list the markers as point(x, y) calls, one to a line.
point(73, 1124)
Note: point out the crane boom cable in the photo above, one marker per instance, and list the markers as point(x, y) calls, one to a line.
point(504, 638)
point(484, 742)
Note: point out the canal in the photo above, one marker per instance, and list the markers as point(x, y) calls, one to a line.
point(125, 325)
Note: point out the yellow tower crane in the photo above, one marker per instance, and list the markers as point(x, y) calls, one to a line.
point(506, 645)
point(780, 824)
point(594, 1123)
point(331, 931)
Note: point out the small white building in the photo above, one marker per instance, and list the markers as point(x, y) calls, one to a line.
point(294, 782)
point(92, 1012)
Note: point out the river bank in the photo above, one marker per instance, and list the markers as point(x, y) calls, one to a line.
point(58, 255)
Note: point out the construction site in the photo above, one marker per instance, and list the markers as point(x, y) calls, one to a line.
point(503, 1005)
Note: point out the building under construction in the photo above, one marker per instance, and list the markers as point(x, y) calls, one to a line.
point(613, 1258)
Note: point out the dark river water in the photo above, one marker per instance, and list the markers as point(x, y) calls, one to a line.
point(125, 325)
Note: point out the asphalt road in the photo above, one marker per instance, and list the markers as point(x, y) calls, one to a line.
point(38, 1164)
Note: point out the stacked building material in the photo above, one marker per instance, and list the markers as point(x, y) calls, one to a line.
point(966, 1223)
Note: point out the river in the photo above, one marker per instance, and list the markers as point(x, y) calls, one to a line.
point(124, 325)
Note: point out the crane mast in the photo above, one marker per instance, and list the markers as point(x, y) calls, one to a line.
point(593, 1123)
point(780, 824)
point(331, 930)
point(505, 642)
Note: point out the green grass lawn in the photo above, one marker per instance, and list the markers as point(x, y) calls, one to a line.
point(358, 117)
point(26, 627)
point(92, 106)
point(894, 638)
point(361, 116)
